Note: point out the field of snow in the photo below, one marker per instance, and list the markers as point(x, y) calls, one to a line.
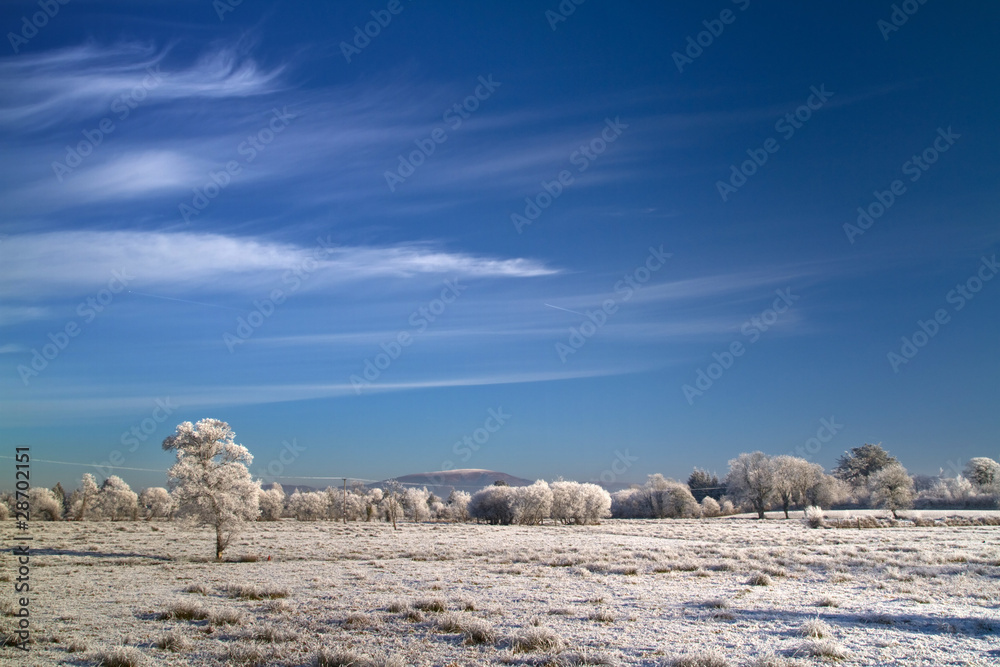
point(713, 592)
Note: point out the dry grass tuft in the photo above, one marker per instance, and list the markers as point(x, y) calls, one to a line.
point(184, 611)
point(397, 607)
point(197, 589)
point(274, 635)
point(537, 639)
point(602, 616)
point(173, 641)
point(708, 659)
point(431, 604)
point(251, 592)
point(249, 655)
point(816, 629)
point(120, 656)
point(827, 601)
point(277, 607)
point(359, 621)
point(347, 658)
point(759, 579)
point(824, 648)
point(226, 617)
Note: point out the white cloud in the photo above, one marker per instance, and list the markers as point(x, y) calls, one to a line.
point(54, 263)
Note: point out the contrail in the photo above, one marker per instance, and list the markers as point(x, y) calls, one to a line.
point(566, 309)
point(197, 303)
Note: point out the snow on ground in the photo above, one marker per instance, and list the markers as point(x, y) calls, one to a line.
point(625, 592)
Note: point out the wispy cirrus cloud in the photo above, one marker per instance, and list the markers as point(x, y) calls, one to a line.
point(37, 91)
point(54, 263)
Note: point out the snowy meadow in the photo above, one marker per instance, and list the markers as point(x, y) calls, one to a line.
point(707, 592)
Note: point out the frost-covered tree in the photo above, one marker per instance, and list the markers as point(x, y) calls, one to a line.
point(828, 491)
point(793, 477)
point(670, 499)
point(457, 507)
point(858, 465)
point(392, 501)
point(751, 481)
point(60, 494)
point(630, 503)
point(984, 472)
point(493, 504)
point(210, 482)
point(82, 505)
point(710, 506)
point(532, 504)
point(309, 505)
point(44, 504)
point(892, 488)
point(272, 503)
point(4, 510)
point(116, 501)
point(155, 503)
point(415, 504)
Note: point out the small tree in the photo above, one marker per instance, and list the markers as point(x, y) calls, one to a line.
point(858, 465)
point(155, 502)
point(793, 477)
point(272, 503)
point(210, 482)
point(892, 488)
point(60, 494)
point(117, 501)
point(84, 499)
point(751, 481)
point(392, 499)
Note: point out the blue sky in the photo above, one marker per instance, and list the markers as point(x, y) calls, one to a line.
point(238, 214)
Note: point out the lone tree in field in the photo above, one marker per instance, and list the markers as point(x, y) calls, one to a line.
point(858, 465)
point(210, 482)
point(892, 488)
point(751, 481)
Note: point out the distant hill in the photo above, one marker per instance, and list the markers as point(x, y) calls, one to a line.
point(443, 482)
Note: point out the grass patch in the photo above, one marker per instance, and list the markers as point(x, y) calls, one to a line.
point(760, 579)
point(184, 611)
point(120, 656)
point(537, 639)
point(173, 641)
point(708, 659)
point(824, 648)
point(436, 605)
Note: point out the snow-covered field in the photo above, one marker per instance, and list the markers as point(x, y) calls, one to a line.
point(624, 592)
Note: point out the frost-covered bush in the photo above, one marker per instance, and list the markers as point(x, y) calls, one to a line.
point(4, 511)
point(659, 498)
point(116, 501)
point(272, 503)
point(814, 516)
point(415, 504)
point(44, 504)
point(155, 503)
point(726, 507)
point(532, 504)
point(577, 503)
point(710, 506)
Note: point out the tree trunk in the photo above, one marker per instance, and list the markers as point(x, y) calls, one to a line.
point(218, 545)
point(784, 506)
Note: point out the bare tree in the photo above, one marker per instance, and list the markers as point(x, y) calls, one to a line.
point(210, 482)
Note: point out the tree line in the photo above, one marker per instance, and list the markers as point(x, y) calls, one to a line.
point(210, 484)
